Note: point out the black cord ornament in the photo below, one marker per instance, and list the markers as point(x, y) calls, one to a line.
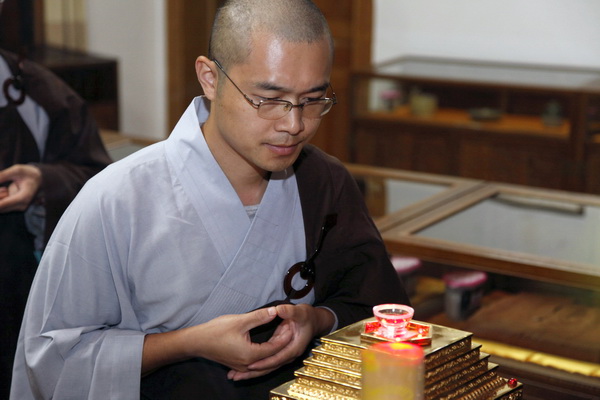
point(307, 268)
point(17, 83)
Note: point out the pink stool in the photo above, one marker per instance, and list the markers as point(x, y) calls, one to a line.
point(464, 290)
point(406, 268)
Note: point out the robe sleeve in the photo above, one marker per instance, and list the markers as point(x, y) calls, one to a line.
point(80, 338)
point(353, 269)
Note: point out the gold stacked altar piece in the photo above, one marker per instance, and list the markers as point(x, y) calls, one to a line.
point(455, 368)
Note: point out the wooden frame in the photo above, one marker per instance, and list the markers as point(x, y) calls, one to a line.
point(351, 26)
point(188, 31)
point(22, 25)
point(455, 187)
point(405, 239)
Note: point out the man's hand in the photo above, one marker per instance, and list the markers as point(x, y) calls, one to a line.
point(225, 339)
point(303, 322)
point(23, 183)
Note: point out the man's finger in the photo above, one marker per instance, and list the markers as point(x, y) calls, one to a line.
point(238, 376)
point(16, 202)
point(259, 317)
point(11, 203)
point(280, 339)
point(285, 311)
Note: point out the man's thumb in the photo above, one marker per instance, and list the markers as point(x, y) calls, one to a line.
point(261, 316)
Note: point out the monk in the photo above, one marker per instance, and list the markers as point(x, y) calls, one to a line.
point(206, 265)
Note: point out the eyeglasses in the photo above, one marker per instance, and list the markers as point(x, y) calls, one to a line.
point(275, 109)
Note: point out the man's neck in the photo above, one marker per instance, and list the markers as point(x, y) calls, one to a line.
point(252, 194)
point(249, 182)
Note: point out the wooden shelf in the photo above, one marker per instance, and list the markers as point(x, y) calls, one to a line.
point(516, 148)
point(456, 118)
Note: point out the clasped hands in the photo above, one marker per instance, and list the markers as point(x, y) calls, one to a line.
point(226, 340)
point(301, 323)
point(19, 185)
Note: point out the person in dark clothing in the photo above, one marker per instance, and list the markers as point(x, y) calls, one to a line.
point(49, 147)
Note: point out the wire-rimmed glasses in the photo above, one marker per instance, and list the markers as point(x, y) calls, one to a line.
point(276, 108)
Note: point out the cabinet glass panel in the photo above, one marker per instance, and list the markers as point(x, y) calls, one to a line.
point(531, 233)
point(560, 230)
point(395, 195)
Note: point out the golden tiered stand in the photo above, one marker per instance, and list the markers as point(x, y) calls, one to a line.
point(455, 368)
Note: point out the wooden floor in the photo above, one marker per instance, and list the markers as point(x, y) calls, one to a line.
point(541, 382)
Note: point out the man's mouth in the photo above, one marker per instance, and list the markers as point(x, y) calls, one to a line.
point(283, 150)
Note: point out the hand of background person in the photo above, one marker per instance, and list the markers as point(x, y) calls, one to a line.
point(225, 339)
point(303, 322)
point(20, 185)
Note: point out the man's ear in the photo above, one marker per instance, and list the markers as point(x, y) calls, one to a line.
point(207, 74)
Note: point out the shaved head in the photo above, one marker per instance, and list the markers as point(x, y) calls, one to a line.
point(237, 22)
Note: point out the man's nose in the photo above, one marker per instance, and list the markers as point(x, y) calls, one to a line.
point(292, 122)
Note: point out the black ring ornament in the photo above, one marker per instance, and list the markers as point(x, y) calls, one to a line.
point(287, 282)
point(306, 268)
point(17, 83)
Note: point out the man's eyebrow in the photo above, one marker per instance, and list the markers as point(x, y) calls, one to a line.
point(269, 86)
point(320, 88)
point(273, 87)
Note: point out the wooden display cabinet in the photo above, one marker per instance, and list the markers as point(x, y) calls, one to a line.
point(539, 313)
point(540, 246)
point(462, 138)
point(537, 234)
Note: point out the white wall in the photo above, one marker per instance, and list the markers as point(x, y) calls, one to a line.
point(559, 32)
point(134, 31)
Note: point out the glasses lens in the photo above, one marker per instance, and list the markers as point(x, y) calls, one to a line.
point(274, 109)
point(316, 109)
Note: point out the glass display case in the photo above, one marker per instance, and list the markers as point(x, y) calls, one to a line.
point(540, 314)
point(530, 233)
point(395, 196)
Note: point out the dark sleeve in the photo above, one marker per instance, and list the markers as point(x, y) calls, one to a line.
point(74, 151)
point(353, 269)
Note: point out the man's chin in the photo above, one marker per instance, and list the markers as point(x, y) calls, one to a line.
point(281, 165)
